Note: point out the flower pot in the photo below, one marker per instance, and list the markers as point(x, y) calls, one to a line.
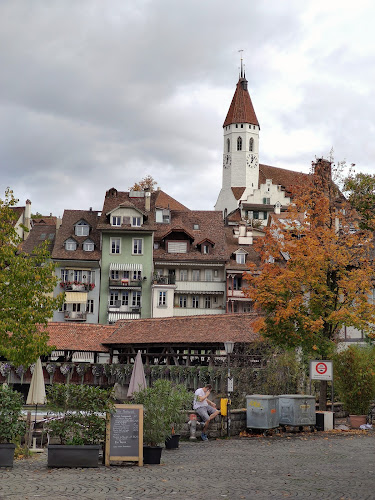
point(73, 456)
point(152, 454)
point(7, 454)
point(357, 420)
point(172, 442)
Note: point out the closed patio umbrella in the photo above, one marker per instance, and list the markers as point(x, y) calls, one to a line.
point(37, 392)
point(138, 379)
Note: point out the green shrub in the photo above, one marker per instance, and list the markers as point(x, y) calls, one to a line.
point(78, 413)
point(11, 425)
point(354, 372)
point(163, 406)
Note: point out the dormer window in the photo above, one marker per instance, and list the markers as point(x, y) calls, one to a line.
point(163, 215)
point(240, 258)
point(205, 249)
point(177, 246)
point(116, 220)
point(136, 221)
point(239, 144)
point(88, 246)
point(82, 228)
point(70, 245)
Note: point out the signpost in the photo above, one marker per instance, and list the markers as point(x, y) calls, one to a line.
point(124, 435)
point(322, 370)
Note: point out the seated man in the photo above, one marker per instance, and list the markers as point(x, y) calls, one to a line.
point(205, 408)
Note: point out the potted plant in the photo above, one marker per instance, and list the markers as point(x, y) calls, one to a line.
point(354, 370)
point(163, 405)
point(11, 425)
point(77, 421)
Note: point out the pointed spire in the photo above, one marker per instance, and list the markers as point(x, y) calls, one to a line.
point(241, 109)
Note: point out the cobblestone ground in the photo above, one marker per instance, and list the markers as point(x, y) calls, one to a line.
point(318, 466)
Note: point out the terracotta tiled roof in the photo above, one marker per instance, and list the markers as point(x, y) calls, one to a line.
point(211, 227)
point(233, 245)
point(47, 220)
point(37, 236)
point(216, 328)
point(163, 200)
point(234, 216)
point(238, 192)
point(159, 199)
point(241, 109)
point(18, 211)
point(66, 231)
point(78, 337)
point(281, 176)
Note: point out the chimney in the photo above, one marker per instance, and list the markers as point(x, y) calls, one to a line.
point(27, 218)
point(147, 201)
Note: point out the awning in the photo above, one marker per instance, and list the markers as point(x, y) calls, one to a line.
point(119, 266)
point(75, 297)
point(113, 317)
point(83, 357)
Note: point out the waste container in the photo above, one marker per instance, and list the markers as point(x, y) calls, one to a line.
point(261, 412)
point(297, 410)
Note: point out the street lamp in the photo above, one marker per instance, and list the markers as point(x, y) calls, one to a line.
point(228, 350)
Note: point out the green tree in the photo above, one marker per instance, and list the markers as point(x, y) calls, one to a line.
point(360, 189)
point(316, 273)
point(26, 286)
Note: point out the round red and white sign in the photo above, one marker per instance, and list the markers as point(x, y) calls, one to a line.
point(321, 368)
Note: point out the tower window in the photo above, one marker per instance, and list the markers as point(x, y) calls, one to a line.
point(228, 145)
point(251, 144)
point(236, 125)
point(239, 144)
point(241, 125)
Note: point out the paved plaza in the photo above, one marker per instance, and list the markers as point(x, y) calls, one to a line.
point(305, 465)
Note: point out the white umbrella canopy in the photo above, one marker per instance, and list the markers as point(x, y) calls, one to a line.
point(37, 391)
point(138, 379)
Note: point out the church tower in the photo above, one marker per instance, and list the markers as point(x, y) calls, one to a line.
point(240, 150)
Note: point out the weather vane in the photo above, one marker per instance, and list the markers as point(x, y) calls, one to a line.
point(240, 51)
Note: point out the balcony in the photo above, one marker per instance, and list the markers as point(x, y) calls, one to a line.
point(164, 280)
point(76, 286)
point(118, 307)
point(75, 316)
point(124, 283)
point(201, 286)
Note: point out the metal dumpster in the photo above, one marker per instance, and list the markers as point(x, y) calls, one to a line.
point(262, 412)
point(297, 410)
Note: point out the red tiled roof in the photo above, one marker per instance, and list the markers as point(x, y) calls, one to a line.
point(238, 192)
point(211, 227)
point(233, 245)
point(79, 337)
point(241, 109)
point(37, 236)
point(211, 329)
point(280, 176)
point(66, 231)
point(49, 220)
point(159, 199)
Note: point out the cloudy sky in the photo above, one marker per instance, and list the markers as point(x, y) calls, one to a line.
point(97, 94)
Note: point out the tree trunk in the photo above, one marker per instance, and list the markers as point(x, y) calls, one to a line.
point(323, 396)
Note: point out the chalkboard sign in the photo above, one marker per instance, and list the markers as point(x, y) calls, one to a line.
point(124, 437)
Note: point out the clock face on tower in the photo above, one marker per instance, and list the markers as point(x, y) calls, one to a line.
point(252, 160)
point(227, 160)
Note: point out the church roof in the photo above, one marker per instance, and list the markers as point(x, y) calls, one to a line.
point(241, 109)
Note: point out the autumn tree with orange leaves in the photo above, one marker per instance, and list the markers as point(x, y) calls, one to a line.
point(317, 271)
